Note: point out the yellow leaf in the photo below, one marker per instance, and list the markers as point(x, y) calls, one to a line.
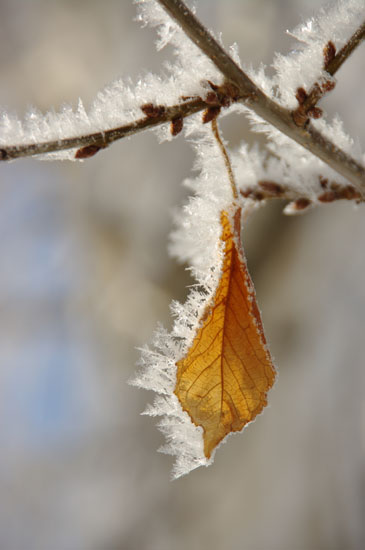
point(222, 382)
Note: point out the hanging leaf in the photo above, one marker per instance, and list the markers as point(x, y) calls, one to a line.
point(222, 382)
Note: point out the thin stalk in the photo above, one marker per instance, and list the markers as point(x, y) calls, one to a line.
point(226, 158)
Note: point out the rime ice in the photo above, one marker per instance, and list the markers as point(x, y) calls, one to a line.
point(196, 240)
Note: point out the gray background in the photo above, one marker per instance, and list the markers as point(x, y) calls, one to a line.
point(85, 277)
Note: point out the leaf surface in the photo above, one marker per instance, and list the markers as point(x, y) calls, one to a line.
point(222, 382)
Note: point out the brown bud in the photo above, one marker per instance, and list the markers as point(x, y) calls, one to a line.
point(328, 196)
point(152, 111)
point(87, 151)
point(271, 187)
point(210, 114)
point(315, 112)
point(329, 52)
point(302, 203)
point(176, 125)
point(301, 95)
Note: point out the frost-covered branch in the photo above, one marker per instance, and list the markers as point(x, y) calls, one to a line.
point(335, 63)
point(271, 111)
point(332, 62)
point(89, 144)
point(328, 191)
point(86, 144)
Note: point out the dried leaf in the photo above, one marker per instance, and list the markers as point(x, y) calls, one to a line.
point(223, 381)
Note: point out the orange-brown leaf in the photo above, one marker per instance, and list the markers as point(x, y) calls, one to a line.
point(222, 382)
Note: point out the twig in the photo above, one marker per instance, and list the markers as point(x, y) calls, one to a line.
point(328, 191)
point(266, 108)
point(356, 39)
point(247, 91)
point(333, 61)
point(103, 139)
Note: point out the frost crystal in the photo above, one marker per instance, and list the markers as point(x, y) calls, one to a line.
point(302, 68)
point(196, 240)
point(304, 65)
point(119, 103)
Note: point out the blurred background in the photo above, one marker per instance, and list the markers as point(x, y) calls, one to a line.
point(85, 277)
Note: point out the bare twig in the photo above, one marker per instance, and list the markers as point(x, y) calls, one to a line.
point(269, 110)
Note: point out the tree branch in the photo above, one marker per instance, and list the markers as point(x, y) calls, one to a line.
point(262, 105)
point(333, 62)
point(101, 140)
point(328, 191)
point(248, 93)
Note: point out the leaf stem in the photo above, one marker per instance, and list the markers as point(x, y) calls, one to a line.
point(226, 158)
point(248, 93)
point(259, 102)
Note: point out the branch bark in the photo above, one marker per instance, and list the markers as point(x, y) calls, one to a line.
point(248, 93)
point(328, 191)
point(333, 62)
point(101, 140)
point(262, 105)
point(356, 39)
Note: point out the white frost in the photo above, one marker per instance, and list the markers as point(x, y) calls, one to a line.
point(302, 68)
point(304, 65)
point(119, 103)
point(196, 240)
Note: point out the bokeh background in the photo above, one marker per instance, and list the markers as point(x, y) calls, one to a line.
point(85, 277)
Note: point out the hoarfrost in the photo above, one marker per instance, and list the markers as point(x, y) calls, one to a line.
point(119, 103)
point(196, 240)
point(304, 65)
